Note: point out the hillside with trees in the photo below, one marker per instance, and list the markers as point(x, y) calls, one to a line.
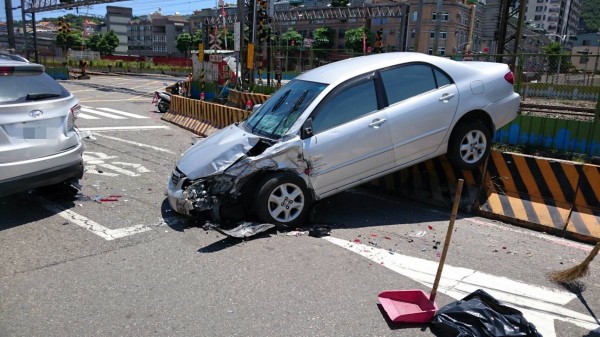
point(590, 13)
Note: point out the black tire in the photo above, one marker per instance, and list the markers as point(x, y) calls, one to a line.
point(163, 106)
point(469, 146)
point(283, 200)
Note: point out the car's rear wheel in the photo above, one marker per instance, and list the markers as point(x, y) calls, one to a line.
point(469, 146)
point(283, 200)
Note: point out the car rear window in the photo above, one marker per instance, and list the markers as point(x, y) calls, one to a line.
point(19, 82)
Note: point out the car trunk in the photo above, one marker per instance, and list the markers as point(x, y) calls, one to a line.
point(29, 133)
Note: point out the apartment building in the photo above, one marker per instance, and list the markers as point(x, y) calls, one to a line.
point(117, 19)
point(156, 34)
point(558, 18)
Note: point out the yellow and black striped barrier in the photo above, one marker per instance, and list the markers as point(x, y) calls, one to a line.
point(433, 181)
point(555, 196)
point(201, 117)
point(239, 99)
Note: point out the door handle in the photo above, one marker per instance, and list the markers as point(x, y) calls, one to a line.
point(446, 97)
point(376, 123)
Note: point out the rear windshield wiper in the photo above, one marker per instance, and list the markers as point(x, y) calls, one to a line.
point(37, 97)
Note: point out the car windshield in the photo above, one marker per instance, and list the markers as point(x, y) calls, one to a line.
point(274, 118)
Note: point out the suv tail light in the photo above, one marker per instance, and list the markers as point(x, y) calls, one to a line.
point(6, 71)
point(73, 113)
point(510, 78)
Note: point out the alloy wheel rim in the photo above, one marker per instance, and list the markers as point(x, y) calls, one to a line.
point(473, 146)
point(286, 202)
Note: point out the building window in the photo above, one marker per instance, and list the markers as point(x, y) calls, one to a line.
point(443, 35)
point(430, 51)
point(434, 16)
point(445, 16)
point(412, 33)
point(537, 17)
point(432, 34)
point(442, 50)
point(539, 8)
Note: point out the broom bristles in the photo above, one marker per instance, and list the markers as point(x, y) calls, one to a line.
point(578, 271)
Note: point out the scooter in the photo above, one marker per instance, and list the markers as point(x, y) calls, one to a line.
point(162, 99)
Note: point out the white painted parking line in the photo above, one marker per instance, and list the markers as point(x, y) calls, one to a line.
point(540, 305)
point(128, 114)
point(124, 128)
point(92, 226)
point(84, 116)
point(100, 113)
point(135, 143)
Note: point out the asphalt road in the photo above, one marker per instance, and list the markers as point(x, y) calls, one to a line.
point(116, 261)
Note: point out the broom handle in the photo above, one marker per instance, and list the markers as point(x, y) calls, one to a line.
point(592, 253)
point(438, 275)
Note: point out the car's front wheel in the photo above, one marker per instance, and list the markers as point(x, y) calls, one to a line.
point(469, 146)
point(283, 200)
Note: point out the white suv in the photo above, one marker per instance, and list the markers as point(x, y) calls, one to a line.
point(39, 145)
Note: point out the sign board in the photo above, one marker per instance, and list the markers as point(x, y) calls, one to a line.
point(250, 56)
point(236, 36)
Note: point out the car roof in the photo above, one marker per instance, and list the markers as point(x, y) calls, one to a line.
point(15, 63)
point(6, 56)
point(355, 66)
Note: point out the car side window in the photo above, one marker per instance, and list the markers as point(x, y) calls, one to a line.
point(346, 105)
point(441, 78)
point(407, 81)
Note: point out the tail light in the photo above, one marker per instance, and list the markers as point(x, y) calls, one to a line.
point(73, 113)
point(510, 78)
point(6, 71)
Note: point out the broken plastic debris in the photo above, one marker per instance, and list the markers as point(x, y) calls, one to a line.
point(430, 227)
point(319, 231)
point(244, 230)
point(418, 234)
point(297, 233)
point(356, 241)
point(87, 134)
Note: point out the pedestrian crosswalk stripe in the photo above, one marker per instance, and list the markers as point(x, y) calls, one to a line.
point(123, 113)
point(100, 113)
point(85, 116)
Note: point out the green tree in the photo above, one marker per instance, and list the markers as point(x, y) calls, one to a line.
point(323, 38)
point(103, 43)
point(557, 57)
point(354, 38)
point(184, 43)
point(69, 40)
point(197, 38)
point(291, 35)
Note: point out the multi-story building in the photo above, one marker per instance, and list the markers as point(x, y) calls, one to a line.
point(559, 18)
point(116, 19)
point(156, 34)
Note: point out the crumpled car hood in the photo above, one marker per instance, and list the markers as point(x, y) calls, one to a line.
point(217, 152)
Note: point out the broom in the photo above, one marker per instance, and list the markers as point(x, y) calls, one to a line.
point(578, 271)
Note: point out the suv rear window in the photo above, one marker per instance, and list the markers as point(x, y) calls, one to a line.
point(22, 83)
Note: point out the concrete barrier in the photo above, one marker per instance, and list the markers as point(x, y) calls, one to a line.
point(201, 117)
point(559, 197)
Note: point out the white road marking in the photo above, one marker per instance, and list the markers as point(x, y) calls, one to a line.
point(92, 169)
point(85, 116)
point(92, 226)
point(540, 305)
point(123, 113)
point(119, 170)
point(124, 128)
point(136, 143)
point(138, 167)
point(91, 159)
point(100, 113)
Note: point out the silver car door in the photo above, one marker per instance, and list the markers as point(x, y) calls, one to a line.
point(351, 139)
point(422, 104)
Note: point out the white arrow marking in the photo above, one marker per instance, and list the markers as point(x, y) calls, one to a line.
point(138, 167)
point(92, 169)
point(119, 170)
point(94, 227)
point(128, 114)
point(96, 155)
point(540, 305)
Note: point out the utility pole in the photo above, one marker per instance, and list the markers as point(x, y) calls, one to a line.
point(10, 25)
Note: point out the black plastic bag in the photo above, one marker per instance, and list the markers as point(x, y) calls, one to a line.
point(481, 315)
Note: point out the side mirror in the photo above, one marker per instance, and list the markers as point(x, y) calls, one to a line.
point(307, 129)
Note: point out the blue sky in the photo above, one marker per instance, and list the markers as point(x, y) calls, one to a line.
point(140, 7)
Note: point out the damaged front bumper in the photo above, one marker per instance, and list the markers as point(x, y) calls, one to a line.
point(192, 197)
